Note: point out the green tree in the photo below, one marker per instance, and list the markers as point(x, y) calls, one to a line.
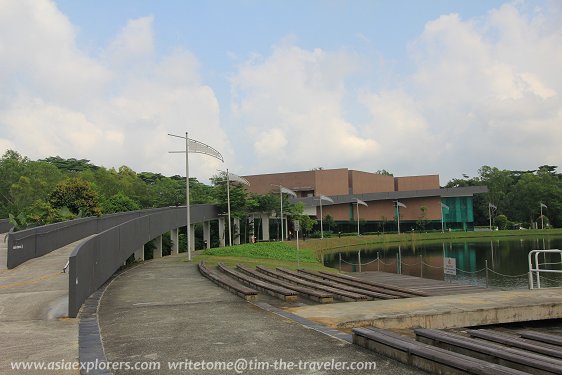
point(77, 195)
point(119, 203)
point(422, 221)
point(501, 221)
point(329, 222)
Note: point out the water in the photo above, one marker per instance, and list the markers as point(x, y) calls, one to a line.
point(507, 261)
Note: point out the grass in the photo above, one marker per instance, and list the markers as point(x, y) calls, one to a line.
point(268, 254)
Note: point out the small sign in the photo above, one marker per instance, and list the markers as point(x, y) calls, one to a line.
point(297, 225)
point(17, 247)
point(450, 266)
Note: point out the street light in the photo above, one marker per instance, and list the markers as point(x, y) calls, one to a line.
point(288, 191)
point(542, 217)
point(490, 207)
point(443, 207)
point(327, 199)
point(234, 178)
point(359, 202)
point(192, 146)
point(398, 205)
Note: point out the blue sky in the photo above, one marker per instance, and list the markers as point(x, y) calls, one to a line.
point(413, 87)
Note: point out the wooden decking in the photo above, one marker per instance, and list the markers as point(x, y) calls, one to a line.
point(429, 286)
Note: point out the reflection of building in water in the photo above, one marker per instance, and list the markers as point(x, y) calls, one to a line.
point(381, 193)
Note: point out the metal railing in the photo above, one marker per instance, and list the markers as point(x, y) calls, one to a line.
point(536, 270)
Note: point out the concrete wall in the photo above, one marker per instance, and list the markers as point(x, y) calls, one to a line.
point(262, 184)
point(412, 212)
point(96, 259)
point(332, 182)
point(416, 182)
point(364, 182)
point(5, 226)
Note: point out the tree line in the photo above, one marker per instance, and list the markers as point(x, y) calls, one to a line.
point(55, 189)
point(514, 198)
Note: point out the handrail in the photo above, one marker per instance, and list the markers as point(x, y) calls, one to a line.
point(538, 269)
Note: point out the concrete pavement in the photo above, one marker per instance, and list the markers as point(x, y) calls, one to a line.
point(441, 311)
point(165, 311)
point(33, 309)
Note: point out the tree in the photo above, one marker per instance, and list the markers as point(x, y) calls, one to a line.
point(501, 221)
point(77, 195)
point(329, 222)
point(119, 203)
point(422, 221)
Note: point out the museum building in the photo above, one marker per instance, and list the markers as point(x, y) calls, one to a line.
point(414, 200)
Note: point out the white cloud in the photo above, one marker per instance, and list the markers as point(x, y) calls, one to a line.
point(290, 105)
point(114, 109)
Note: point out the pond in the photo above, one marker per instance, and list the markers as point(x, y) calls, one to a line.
point(500, 263)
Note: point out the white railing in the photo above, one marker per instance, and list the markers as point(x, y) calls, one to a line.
point(537, 266)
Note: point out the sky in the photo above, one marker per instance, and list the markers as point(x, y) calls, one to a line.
point(413, 87)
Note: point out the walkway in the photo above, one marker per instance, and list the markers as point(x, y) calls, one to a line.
point(165, 311)
point(33, 306)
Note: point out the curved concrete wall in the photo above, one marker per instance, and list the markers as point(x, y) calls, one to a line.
point(35, 242)
point(96, 259)
point(5, 225)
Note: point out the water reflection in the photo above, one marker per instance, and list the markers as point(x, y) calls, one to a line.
point(506, 260)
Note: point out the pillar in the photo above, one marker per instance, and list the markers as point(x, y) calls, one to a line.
point(139, 254)
point(286, 233)
point(158, 250)
point(192, 236)
point(221, 232)
point(207, 233)
point(174, 236)
point(236, 231)
point(265, 227)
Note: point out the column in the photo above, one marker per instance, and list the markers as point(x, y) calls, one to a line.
point(192, 236)
point(236, 231)
point(286, 233)
point(139, 254)
point(174, 236)
point(221, 231)
point(158, 250)
point(207, 234)
point(265, 227)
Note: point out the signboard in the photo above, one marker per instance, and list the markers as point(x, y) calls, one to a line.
point(297, 225)
point(450, 266)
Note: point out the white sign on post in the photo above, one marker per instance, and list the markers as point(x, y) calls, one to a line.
point(450, 266)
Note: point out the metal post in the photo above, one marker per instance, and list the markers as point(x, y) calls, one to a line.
point(281, 198)
point(358, 219)
point(321, 224)
point(187, 234)
point(298, 258)
point(228, 203)
point(340, 261)
point(359, 259)
point(486, 265)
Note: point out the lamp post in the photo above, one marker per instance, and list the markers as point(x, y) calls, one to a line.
point(234, 178)
point(327, 199)
point(490, 207)
point(288, 191)
point(398, 205)
point(542, 217)
point(192, 146)
point(359, 202)
point(443, 207)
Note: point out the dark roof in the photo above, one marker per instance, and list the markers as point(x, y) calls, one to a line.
point(393, 195)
